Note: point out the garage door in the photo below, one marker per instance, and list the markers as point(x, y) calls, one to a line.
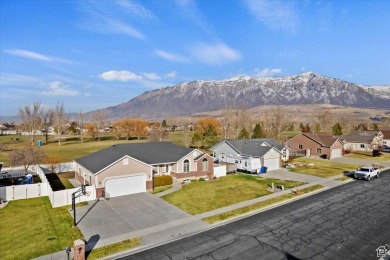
point(272, 163)
point(335, 153)
point(125, 185)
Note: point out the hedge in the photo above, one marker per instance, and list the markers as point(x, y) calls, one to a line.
point(162, 180)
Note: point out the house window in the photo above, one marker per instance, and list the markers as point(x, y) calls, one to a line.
point(300, 147)
point(205, 165)
point(362, 146)
point(186, 166)
point(318, 150)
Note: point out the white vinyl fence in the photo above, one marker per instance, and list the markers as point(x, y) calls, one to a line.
point(57, 198)
point(219, 170)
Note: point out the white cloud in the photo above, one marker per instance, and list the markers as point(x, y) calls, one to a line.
point(170, 56)
point(274, 14)
point(214, 54)
point(267, 72)
point(136, 9)
point(171, 75)
point(57, 88)
point(34, 55)
point(119, 75)
point(108, 17)
point(303, 69)
point(151, 76)
point(122, 28)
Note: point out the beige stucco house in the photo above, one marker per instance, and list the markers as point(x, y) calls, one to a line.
point(129, 168)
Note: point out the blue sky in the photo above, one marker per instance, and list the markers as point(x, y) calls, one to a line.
point(95, 54)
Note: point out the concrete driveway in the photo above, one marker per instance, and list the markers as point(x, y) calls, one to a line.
point(111, 221)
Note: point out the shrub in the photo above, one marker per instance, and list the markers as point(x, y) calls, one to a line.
point(163, 180)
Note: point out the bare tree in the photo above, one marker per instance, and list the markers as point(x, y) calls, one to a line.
point(47, 117)
point(27, 156)
point(80, 124)
point(31, 120)
point(324, 119)
point(60, 119)
point(99, 118)
point(186, 126)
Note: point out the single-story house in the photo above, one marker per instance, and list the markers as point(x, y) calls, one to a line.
point(124, 169)
point(267, 149)
point(386, 137)
point(362, 140)
point(322, 145)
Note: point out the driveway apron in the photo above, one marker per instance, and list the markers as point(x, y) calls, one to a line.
point(109, 219)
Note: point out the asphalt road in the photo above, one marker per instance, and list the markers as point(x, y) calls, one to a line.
point(348, 222)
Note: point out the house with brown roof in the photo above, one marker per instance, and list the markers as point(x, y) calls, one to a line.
point(362, 140)
point(125, 169)
point(321, 145)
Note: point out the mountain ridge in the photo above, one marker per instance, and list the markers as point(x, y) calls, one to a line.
point(247, 92)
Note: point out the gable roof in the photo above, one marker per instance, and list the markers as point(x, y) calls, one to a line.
point(386, 134)
point(149, 153)
point(360, 136)
point(251, 147)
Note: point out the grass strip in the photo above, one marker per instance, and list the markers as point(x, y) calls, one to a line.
point(259, 205)
point(161, 189)
point(114, 248)
point(344, 178)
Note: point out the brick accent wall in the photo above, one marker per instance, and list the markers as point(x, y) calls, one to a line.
point(80, 179)
point(149, 185)
point(99, 193)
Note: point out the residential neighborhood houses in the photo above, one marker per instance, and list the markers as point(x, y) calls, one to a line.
point(130, 167)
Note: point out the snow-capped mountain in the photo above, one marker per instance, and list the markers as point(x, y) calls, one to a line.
point(247, 92)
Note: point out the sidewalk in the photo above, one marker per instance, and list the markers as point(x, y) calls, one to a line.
point(179, 228)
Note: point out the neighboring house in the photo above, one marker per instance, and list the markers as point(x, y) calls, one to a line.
point(267, 149)
point(362, 140)
point(386, 137)
point(8, 129)
point(129, 168)
point(322, 145)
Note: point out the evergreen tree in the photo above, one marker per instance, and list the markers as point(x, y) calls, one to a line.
point(243, 134)
point(337, 130)
point(197, 139)
point(210, 136)
point(164, 124)
point(258, 132)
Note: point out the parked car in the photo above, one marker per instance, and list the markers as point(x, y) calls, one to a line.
point(386, 150)
point(366, 172)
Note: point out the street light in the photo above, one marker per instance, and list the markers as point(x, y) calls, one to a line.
point(68, 250)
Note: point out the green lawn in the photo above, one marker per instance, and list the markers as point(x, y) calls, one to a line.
point(32, 228)
point(259, 205)
point(66, 152)
point(101, 252)
point(199, 197)
point(321, 168)
point(368, 156)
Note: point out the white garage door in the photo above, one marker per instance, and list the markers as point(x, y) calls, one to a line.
point(125, 185)
point(272, 164)
point(335, 153)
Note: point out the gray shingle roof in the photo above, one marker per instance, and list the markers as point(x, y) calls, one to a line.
point(149, 153)
point(250, 146)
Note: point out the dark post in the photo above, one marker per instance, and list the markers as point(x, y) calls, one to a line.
point(74, 208)
point(68, 250)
